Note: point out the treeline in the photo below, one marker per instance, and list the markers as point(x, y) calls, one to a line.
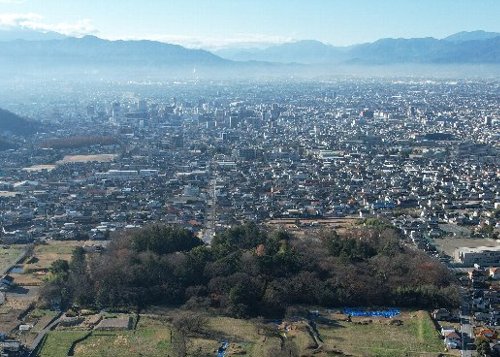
point(248, 272)
point(74, 142)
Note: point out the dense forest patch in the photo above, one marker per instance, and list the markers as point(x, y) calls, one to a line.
point(249, 272)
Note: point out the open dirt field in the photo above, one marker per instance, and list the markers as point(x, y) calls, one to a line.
point(450, 244)
point(37, 168)
point(34, 268)
point(302, 226)
point(68, 159)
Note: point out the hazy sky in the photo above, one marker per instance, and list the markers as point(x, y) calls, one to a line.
point(218, 23)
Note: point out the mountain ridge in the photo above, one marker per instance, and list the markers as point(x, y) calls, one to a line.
point(12, 34)
point(95, 58)
point(471, 36)
point(463, 47)
point(94, 50)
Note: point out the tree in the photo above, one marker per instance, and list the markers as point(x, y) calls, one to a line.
point(59, 267)
point(79, 280)
point(483, 347)
point(164, 239)
point(190, 323)
point(57, 291)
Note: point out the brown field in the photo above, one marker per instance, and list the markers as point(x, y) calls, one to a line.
point(43, 256)
point(53, 250)
point(8, 317)
point(301, 226)
point(8, 194)
point(37, 168)
point(450, 244)
point(69, 159)
point(22, 297)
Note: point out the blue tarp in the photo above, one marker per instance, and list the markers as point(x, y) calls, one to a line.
point(379, 313)
point(221, 352)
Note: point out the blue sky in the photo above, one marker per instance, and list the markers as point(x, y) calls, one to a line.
point(222, 23)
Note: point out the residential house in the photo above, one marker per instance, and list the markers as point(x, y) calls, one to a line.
point(494, 273)
point(441, 314)
point(452, 340)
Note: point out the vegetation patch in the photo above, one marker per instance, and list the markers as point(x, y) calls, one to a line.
point(79, 142)
point(415, 336)
point(248, 272)
point(9, 254)
point(58, 343)
point(151, 338)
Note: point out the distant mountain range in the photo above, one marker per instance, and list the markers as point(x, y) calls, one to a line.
point(91, 50)
point(54, 53)
point(472, 36)
point(463, 47)
point(12, 34)
point(306, 52)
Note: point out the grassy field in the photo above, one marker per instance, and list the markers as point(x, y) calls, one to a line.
point(53, 250)
point(9, 254)
point(243, 335)
point(151, 338)
point(43, 256)
point(58, 343)
point(416, 337)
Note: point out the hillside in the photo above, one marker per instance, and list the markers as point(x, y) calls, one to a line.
point(6, 145)
point(12, 124)
point(248, 272)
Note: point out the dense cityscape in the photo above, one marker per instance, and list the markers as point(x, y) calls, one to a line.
point(418, 153)
point(418, 156)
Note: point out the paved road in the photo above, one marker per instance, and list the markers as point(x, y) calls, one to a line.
point(211, 214)
point(465, 325)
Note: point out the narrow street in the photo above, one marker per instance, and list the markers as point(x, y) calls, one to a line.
point(465, 323)
point(209, 230)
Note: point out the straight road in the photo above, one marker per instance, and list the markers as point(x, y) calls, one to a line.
point(211, 213)
point(465, 323)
